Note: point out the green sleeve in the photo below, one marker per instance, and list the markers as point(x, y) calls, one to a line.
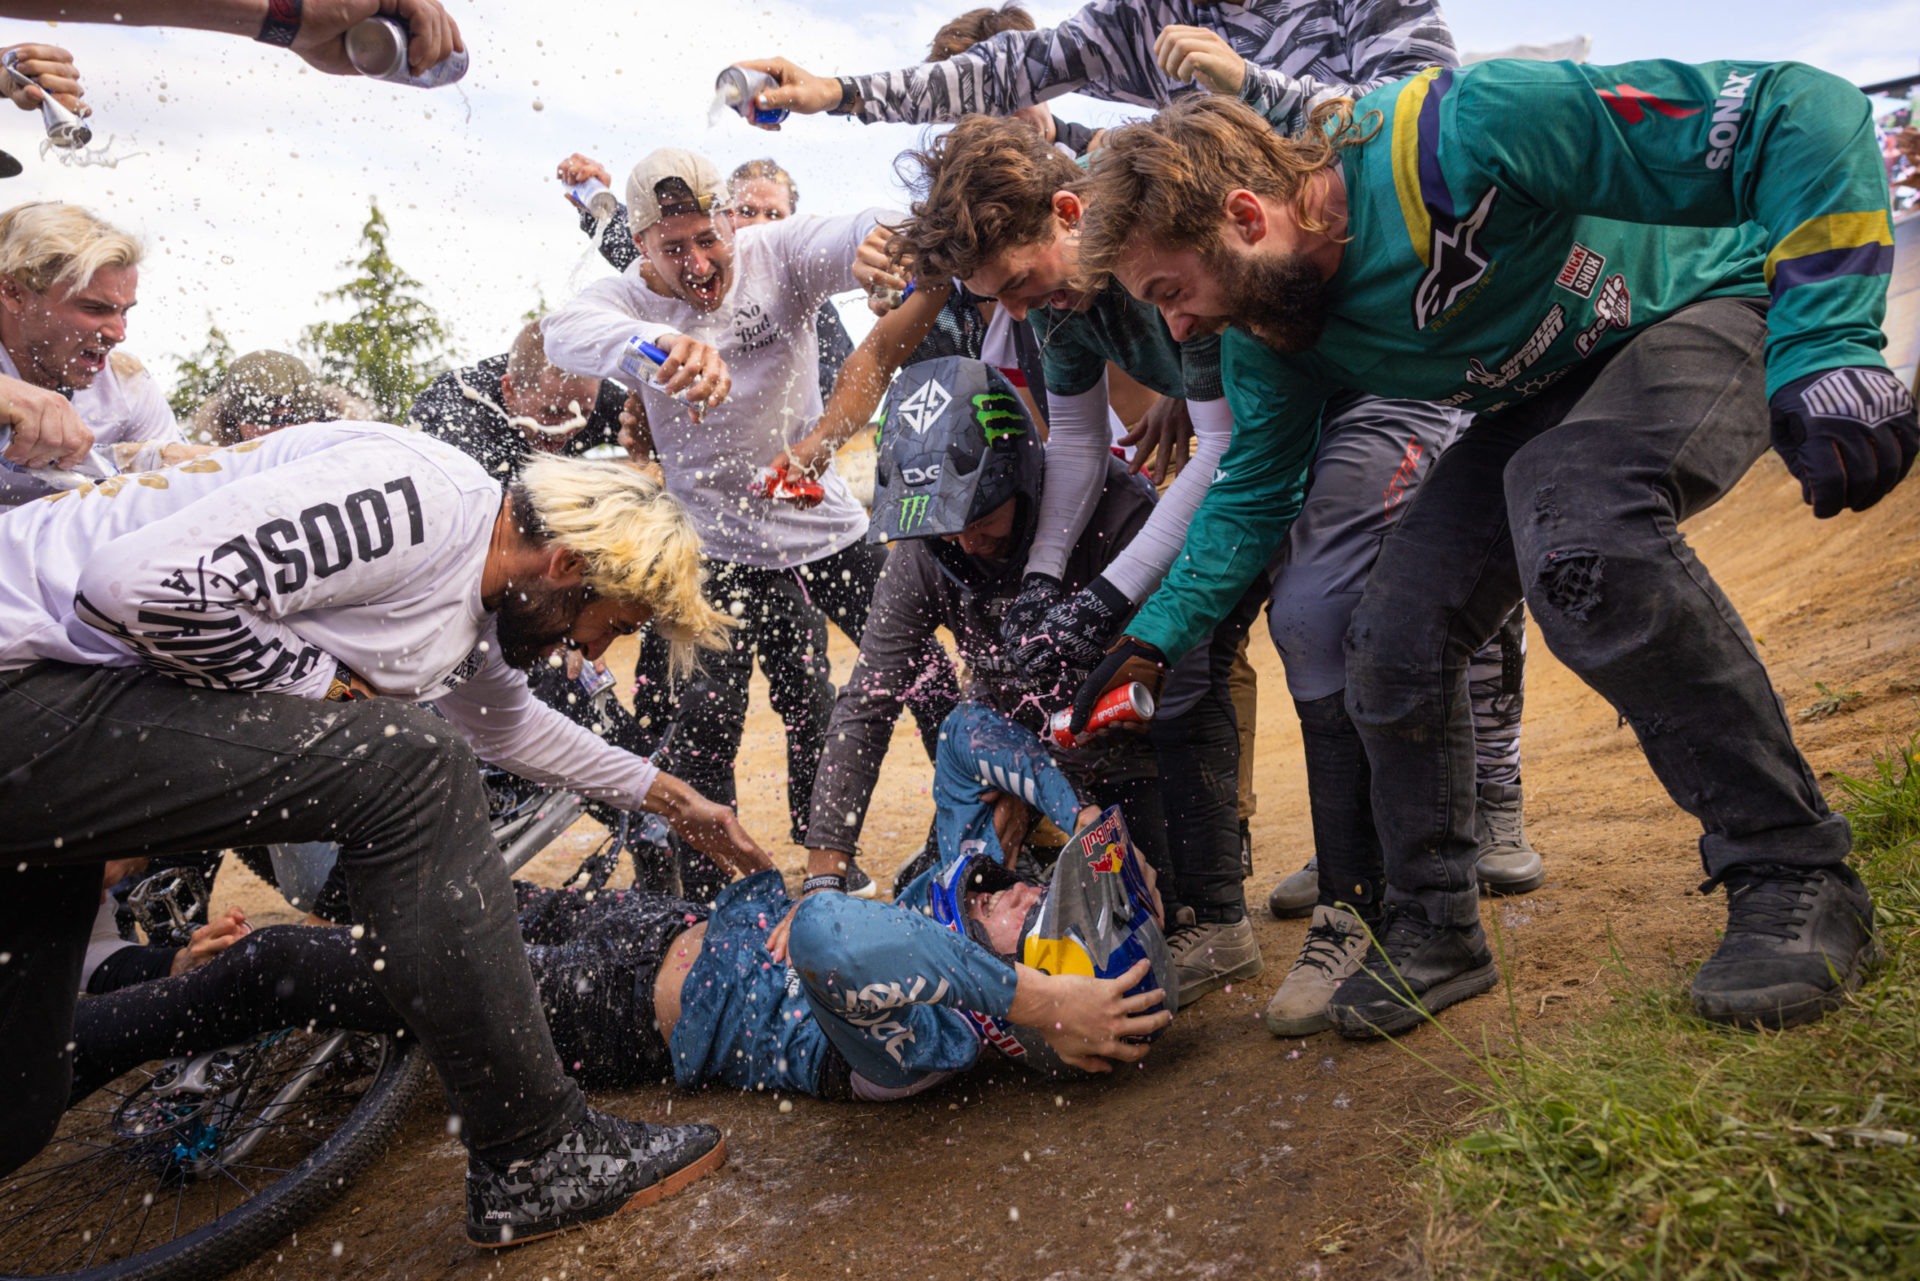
point(1780, 145)
point(1071, 364)
point(1255, 495)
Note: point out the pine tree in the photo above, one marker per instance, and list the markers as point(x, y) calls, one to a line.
point(201, 373)
point(393, 344)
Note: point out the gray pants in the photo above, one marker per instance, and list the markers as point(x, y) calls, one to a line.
point(1574, 498)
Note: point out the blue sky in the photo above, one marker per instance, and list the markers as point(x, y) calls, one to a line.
point(248, 176)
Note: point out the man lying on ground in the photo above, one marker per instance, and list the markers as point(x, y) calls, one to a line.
point(1627, 272)
point(172, 646)
point(858, 1000)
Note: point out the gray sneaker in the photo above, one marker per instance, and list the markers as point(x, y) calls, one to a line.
point(1207, 955)
point(1335, 943)
point(1296, 894)
point(1507, 864)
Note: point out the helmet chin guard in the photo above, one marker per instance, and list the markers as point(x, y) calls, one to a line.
point(1096, 918)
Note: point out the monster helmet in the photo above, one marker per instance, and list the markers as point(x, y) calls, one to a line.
point(955, 444)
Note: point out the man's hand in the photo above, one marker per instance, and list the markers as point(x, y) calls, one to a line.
point(1162, 440)
point(875, 271)
point(1130, 660)
point(1086, 1020)
point(710, 827)
point(1202, 56)
point(53, 67)
point(820, 862)
point(1848, 435)
point(576, 169)
point(324, 23)
point(693, 368)
point(211, 939)
point(1074, 633)
point(798, 90)
point(46, 431)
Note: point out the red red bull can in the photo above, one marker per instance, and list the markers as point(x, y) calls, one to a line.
point(791, 486)
point(1129, 705)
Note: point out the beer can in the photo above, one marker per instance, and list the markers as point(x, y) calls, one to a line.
point(1131, 704)
point(594, 197)
point(641, 362)
point(64, 129)
point(740, 88)
point(377, 47)
point(890, 298)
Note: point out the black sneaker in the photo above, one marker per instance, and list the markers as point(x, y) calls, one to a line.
point(602, 1166)
point(1413, 970)
point(1798, 940)
point(923, 859)
point(859, 884)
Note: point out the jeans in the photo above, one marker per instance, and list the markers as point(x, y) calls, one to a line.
point(105, 763)
point(1573, 499)
point(783, 617)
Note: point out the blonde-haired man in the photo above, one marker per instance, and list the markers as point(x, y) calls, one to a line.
point(186, 659)
point(67, 282)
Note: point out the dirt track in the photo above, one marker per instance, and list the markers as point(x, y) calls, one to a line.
point(1228, 1154)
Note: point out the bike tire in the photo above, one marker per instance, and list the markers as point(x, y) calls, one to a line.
point(243, 1233)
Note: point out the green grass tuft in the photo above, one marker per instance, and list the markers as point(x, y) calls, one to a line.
point(1650, 1144)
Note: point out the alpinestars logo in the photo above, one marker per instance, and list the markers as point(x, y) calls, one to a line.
point(1454, 262)
point(923, 409)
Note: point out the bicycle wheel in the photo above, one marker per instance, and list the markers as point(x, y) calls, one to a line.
point(189, 1168)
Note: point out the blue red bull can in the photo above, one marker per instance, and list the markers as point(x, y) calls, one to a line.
point(740, 88)
point(641, 362)
point(594, 197)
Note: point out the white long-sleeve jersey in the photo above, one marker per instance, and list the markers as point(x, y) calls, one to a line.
point(265, 565)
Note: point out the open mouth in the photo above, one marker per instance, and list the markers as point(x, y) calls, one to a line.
point(705, 291)
point(91, 360)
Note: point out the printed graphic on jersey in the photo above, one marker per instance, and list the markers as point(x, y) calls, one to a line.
point(923, 409)
point(1530, 351)
point(1455, 262)
point(1582, 271)
point(1613, 309)
point(1632, 104)
point(1727, 109)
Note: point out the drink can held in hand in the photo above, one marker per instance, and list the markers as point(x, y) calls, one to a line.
point(1129, 705)
point(594, 197)
point(377, 47)
point(64, 129)
point(641, 362)
point(740, 88)
point(790, 486)
point(594, 680)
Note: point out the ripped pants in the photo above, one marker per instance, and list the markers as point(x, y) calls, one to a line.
point(1573, 498)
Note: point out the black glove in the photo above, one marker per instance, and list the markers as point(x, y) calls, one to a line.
point(1848, 435)
point(1073, 634)
point(1129, 660)
point(1038, 592)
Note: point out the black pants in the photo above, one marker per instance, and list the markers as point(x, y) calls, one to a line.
point(102, 763)
point(783, 615)
point(594, 959)
point(1197, 738)
point(1574, 499)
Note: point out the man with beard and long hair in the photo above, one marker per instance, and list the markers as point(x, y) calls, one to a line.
point(1633, 305)
point(227, 652)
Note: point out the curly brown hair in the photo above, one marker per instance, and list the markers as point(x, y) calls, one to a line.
point(984, 186)
point(1165, 181)
point(975, 25)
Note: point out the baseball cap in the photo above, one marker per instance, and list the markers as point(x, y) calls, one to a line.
point(271, 388)
point(698, 172)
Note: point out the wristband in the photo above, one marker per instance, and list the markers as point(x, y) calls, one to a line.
point(849, 99)
point(825, 881)
point(281, 24)
point(340, 689)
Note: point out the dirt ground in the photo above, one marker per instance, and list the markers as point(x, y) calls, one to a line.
point(1228, 1154)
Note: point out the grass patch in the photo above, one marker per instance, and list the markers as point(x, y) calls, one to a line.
point(1649, 1144)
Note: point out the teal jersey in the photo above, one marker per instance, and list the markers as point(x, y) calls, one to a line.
point(1510, 220)
point(1075, 347)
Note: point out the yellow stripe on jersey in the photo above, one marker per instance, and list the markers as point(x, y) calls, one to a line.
point(1818, 235)
point(1406, 161)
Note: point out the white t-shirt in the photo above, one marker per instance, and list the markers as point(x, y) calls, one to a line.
point(124, 403)
point(763, 329)
point(263, 565)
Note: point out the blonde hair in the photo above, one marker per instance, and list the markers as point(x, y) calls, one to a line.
point(1164, 181)
point(638, 541)
point(45, 243)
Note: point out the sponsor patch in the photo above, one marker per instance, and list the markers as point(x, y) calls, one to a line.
point(1582, 271)
point(1613, 309)
point(1455, 260)
point(1550, 327)
point(1727, 110)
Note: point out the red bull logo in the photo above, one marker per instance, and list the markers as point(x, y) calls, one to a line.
point(1110, 858)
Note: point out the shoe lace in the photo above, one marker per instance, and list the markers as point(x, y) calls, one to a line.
point(1504, 825)
point(1185, 938)
point(1324, 947)
point(1767, 899)
point(1403, 936)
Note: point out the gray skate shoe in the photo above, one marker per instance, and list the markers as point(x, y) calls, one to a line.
point(1209, 954)
point(1507, 864)
point(1296, 894)
point(1334, 947)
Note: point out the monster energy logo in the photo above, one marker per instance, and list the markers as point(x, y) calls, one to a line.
point(913, 511)
point(989, 407)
